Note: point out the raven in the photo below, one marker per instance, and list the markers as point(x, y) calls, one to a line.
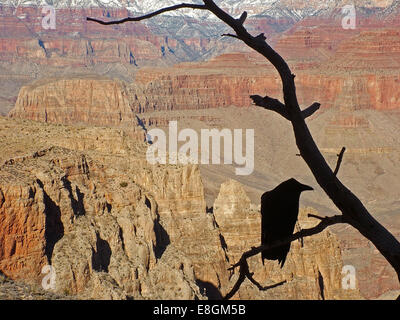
point(279, 211)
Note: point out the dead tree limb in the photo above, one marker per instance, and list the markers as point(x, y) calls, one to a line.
point(271, 104)
point(350, 206)
point(339, 161)
point(150, 15)
point(229, 35)
point(277, 106)
point(243, 264)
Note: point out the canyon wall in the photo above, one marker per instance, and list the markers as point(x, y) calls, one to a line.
point(114, 227)
point(87, 100)
point(76, 42)
point(227, 80)
point(94, 214)
point(231, 78)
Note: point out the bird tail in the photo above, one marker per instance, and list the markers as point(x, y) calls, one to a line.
point(278, 253)
point(282, 260)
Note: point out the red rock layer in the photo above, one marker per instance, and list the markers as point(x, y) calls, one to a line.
point(231, 78)
point(75, 41)
point(101, 102)
point(22, 231)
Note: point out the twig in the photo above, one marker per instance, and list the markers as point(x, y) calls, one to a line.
point(339, 161)
point(229, 35)
point(310, 215)
point(270, 104)
point(244, 267)
point(311, 110)
point(277, 106)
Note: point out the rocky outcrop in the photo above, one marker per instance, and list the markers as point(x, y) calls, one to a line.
point(113, 226)
point(22, 224)
point(239, 225)
point(79, 52)
point(75, 41)
point(98, 228)
point(224, 81)
point(84, 100)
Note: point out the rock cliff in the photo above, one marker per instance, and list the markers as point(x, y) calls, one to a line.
point(84, 100)
point(231, 78)
point(84, 200)
point(95, 224)
point(224, 81)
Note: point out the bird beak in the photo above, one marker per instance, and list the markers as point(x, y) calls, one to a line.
point(305, 187)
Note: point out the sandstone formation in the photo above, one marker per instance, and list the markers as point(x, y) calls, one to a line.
point(102, 243)
point(102, 102)
point(231, 78)
point(98, 228)
point(114, 227)
point(77, 42)
point(71, 42)
point(227, 80)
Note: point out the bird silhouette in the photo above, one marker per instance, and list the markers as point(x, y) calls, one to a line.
point(279, 211)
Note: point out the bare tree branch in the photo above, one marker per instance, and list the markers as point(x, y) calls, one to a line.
point(243, 17)
point(342, 197)
point(311, 110)
point(277, 106)
point(339, 161)
point(244, 267)
point(153, 14)
point(229, 35)
point(270, 104)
